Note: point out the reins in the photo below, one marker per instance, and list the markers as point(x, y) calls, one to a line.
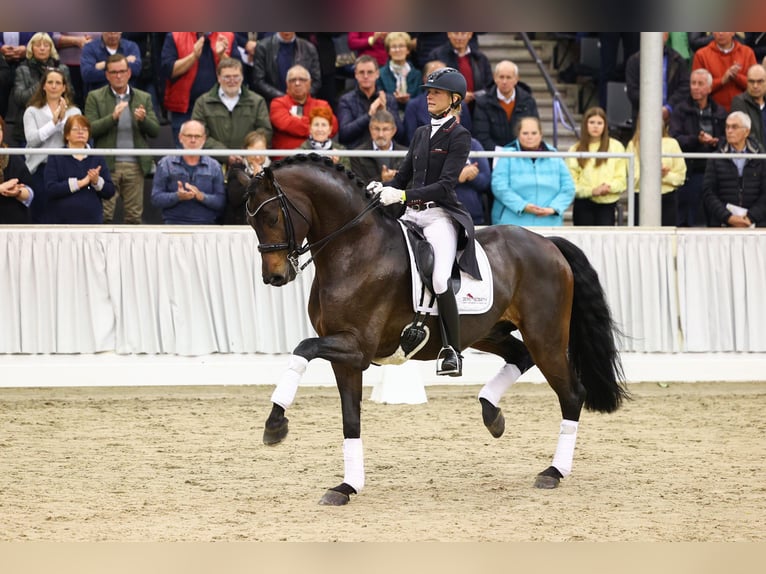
point(295, 252)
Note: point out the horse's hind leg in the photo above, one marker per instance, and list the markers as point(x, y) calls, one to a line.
point(501, 342)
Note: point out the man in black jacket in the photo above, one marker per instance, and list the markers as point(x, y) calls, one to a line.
point(275, 55)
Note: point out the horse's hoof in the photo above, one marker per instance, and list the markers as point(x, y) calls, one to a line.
point(548, 479)
point(334, 498)
point(275, 435)
point(493, 418)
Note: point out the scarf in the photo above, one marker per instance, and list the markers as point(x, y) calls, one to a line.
point(400, 72)
point(436, 123)
point(325, 145)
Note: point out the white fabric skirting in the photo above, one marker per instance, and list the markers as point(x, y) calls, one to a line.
point(198, 290)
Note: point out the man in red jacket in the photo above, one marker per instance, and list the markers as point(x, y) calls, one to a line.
point(289, 114)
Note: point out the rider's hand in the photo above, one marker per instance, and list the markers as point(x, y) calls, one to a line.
point(390, 195)
point(374, 186)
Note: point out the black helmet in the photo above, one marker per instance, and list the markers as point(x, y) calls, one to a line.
point(448, 79)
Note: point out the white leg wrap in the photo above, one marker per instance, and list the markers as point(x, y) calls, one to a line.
point(562, 460)
point(353, 462)
point(497, 386)
point(287, 386)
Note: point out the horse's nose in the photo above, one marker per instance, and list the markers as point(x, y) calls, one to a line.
point(274, 279)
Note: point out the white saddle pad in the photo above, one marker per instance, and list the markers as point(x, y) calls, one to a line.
point(474, 297)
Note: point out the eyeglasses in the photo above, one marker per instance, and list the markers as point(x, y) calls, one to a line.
point(78, 129)
point(734, 127)
point(297, 80)
point(193, 136)
point(117, 72)
point(756, 81)
point(231, 78)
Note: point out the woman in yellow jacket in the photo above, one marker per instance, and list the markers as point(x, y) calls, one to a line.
point(673, 175)
point(598, 181)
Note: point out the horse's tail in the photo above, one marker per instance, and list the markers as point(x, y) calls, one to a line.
point(592, 335)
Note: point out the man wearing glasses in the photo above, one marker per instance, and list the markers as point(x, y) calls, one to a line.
point(752, 103)
point(189, 189)
point(123, 117)
point(230, 111)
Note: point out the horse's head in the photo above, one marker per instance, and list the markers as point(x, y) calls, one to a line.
point(271, 214)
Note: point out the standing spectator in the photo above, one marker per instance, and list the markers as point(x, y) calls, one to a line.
point(41, 55)
point(49, 107)
point(735, 189)
point(189, 189)
point(416, 111)
point(382, 130)
point(474, 184)
point(398, 77)
point(95, 53)
point(123, 117)
point(230, 111)
point(6, 84)
point(357, 106)
point(675, 80)
point(497, 113)
point(599, 182)
point(16, 191)
point(275, 55)
point(76, 184)
point(531, 191)
point(698, 125)
point(610, 69)
point(189, 61)
point(245, 43)
point(70, 45)
point(673, 176)
point(320, 126)
point(13, 48)
point(728, 61)
point(290, 113)
point(239, 177)
point(472, 63)
point(369, 44)
point(752, 103)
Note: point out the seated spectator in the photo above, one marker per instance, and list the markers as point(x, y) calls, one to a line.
point(697, 123)
point(16, 191)
point(44, 119)
point(735, 189)
point(473, 187)
point(673, 176)
point(599, 182)
point(188, 66)
point(229, 111)
point(531, 191)
point(319, 140)
point(239, 177)
point(675, 80)
point(727, 60)
point(95, 54)
point(369, 44)
point(382, 130)
point(416, 111)
point(497, 112)
point(76, 184)
point(357, 106)
point(123, 117)
point(275, 55)
point(398, 77)
point(472, 63)
point(41, 55)
point(752, 103)
point(189, 189)
point(290, 113)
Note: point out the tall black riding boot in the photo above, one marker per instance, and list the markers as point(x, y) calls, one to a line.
point(450, 361)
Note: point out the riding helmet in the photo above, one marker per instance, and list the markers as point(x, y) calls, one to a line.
point(448, 79)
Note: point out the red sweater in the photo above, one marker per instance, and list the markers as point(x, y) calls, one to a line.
point(291, 131)
point(716, 62)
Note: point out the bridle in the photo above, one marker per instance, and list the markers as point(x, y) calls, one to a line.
point(294, 251)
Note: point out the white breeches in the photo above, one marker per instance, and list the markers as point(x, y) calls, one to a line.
point(441, 232)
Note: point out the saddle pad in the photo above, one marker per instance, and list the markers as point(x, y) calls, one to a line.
point(474, 297)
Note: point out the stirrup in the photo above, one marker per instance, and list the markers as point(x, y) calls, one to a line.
point(451, 362)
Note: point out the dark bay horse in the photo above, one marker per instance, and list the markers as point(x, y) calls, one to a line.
point(361, 299)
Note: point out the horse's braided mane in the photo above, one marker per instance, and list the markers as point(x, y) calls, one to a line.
point(321, 160)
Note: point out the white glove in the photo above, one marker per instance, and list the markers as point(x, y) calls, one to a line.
point(390, 195)
point(374, 186)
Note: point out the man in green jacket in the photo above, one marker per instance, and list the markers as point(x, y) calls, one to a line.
point(230, 111)
point(123, 117)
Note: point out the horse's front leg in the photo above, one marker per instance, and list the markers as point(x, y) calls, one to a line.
point(349, 380)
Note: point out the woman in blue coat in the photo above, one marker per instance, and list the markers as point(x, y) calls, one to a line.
point(531, 191)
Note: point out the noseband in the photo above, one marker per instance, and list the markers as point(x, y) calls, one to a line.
point(290, 245)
